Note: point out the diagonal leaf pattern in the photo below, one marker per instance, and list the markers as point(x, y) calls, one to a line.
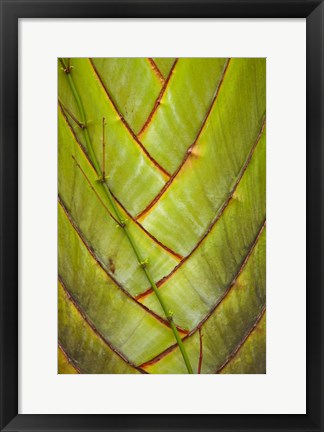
point(85, 343)
point(164, 65)
point(65, 363)
point(172, 127)
point(249, 357)
point(131, 85)
point(104, 237)
point(190, 296)
point(129, 167)
point(183, 145)
point(93, 299)
point(218, 156)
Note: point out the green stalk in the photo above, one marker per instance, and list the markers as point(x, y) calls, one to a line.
point(122, 224)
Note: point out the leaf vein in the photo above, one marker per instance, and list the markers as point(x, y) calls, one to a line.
point(213, 223)
point(217, 304)
point(163, 246)
point(242, 341)
point(156, 70)
point(94, 328)
point(158, 100)
point(69, 359)
point(157, 198)
point(107, 272)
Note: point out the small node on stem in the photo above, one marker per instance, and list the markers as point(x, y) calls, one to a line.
point(144, 263)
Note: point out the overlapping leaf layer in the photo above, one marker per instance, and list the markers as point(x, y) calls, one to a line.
point(184, 153)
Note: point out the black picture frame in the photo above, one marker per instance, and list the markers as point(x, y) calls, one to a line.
point(11, 11)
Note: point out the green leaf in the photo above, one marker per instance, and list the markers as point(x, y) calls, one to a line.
point(202, 278)
point(210, 173)
point(228, 322)
point(131, 85)
point(103, 301)
point(65, 365)
point(163, 261)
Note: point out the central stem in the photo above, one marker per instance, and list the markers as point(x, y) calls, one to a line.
point(67, 70)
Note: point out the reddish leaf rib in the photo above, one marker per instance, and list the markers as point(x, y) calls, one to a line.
point(94, 328)
point(166, 248)
point(135, 138)
point(188, 152)
point(217, 304)
point(200, 351)
point(242, 342)
point(156, 70)
point(108, 273)
point(211, 226)
point(158, 100)
point(68, 358)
